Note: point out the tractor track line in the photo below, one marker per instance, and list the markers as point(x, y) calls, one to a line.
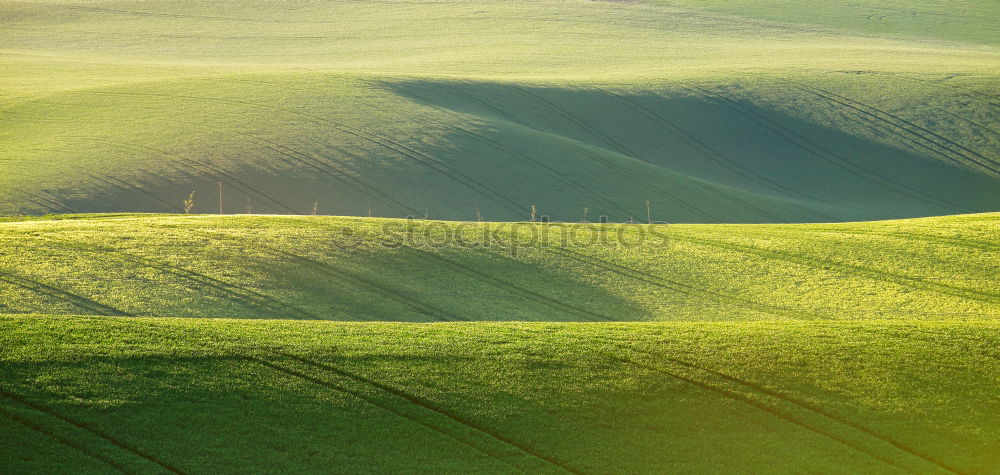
point(822, 153)
point(509, 287)
point(118, 443)
point(571, 142)
point(124, 186)
point(218, 174)
point(64, 441)
point(341, 389)
point(59, 294)
point(935, 139)
point(800, 404)
point(413, 304)
point(510, 151)
point(416, 400)
point(850, 269)
point(236, 293)
point(703, 148)
point(760, 406)
point(587, 128)
point(324, 166)
point(696, 292)
point(397, 147)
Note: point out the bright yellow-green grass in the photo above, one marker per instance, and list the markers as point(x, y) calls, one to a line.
point(744, 111)
point(334, 268)
point(835, 345)
point(92, 394)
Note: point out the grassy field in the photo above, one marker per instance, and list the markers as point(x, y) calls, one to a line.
point(825, 298)
point(192, 395)
point(714, 111)
point(378, 269)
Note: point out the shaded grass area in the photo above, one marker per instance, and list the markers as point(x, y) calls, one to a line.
point(376, 269)
point(186, 395)
point(745, 112)
point(762, 149)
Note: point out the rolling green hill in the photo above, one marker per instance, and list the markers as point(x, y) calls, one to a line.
point(715, 112)
point(159, 395)
point(377, 269)
point(811, 315)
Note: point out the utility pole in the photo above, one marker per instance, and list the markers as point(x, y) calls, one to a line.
point(220, 197)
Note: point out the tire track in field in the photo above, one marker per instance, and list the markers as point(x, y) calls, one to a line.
point(324, 167)
point(397, 147)
point(425, 404)
point(970, 93)
point(517, 154)
point(314, 162)
point(675, 286)
point(554, 173)
point(770, 408)
point(867, 114)
point(125, 186)
point(507, 286)
point(946, 111)
point(701, 147)
point(213, 171)
point(39, 201)
point(942, 240)
point(596, 157)
point(410, 302)
point(737, 396)
point(108, 437)
point(235, 293)
point(63, 440)
point(355, 280)
point(587, 128)
point(849, 269)
point(819, 151)
point(80, 301)
point(630, 153)
point(345, 390)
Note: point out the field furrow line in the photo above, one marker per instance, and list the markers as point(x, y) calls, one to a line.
point(516, 154)
point(821, 152)
point(573, 119)
point(850, 269)
point(80, 301)
point(63, 440)
point(425, 404)
point(128, 187)
point(413, 304)
point(236, 293)
point(944, 145)
point(356, 394)
point(701, 147)
point(108, 437)
point(783, 398)
point(676, 286)
point(508, 286)
point(397, 147)
point(211, 170)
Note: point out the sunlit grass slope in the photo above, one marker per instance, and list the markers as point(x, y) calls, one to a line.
point(158, 395)
point(376, 269)
point(735, 112)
